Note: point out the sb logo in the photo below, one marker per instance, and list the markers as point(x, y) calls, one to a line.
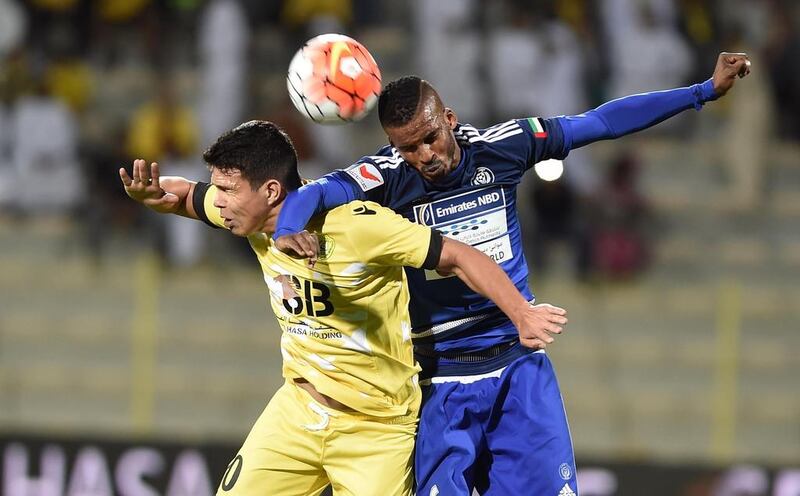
point(315, 299)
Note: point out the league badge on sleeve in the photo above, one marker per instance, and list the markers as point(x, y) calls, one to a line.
point(366, 175)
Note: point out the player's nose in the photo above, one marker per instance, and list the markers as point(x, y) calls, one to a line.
point(426, 155)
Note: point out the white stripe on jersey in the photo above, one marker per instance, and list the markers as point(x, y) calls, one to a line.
point(384, 162)
point(446, 326)
point(492, 134)
point(499, 129)
point(466, 130)
point(501, 137)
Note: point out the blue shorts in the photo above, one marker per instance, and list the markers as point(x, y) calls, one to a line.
point(503, 433)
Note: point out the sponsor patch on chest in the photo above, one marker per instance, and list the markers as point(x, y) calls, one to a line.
point(477, 218)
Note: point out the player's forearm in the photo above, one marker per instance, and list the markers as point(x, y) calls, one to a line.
point(633, 113)
point(483, 276)
point(183, 189)
point(323, 194)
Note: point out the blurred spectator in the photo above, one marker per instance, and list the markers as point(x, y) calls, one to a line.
point(701, 27)
point(557, 218)
point(164, 127)
point(619, 241)
point(13, 23)
point(449, 54)
point(747, 130)
point(44, 135)
point(69, 75)
point(223, 41)
point(317, 15)
point(537, 68)
point(165, 131)
point(646, 51)
point(114, 11)
point(782, 47)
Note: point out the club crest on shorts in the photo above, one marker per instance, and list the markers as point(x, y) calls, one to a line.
point(565, 471)
point(483, 175)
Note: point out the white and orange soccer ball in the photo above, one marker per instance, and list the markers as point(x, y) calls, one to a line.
point(333, 79)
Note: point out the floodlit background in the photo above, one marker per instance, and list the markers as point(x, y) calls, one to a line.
point(675, 251)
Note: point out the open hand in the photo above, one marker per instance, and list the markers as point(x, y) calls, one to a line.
point(144, 187)
point(729, 67)
point(539, 323)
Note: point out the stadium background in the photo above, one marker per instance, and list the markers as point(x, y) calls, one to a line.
point(136, 351)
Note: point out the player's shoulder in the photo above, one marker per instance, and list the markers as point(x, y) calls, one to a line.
point(492, 136)
point(360, 221)
point(363, 211)
point(372, 171)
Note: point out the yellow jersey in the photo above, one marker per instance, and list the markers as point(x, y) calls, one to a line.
point(346, 327)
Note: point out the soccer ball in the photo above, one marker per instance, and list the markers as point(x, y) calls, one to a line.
point(333, 79)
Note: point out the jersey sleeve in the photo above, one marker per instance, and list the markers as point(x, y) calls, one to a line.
point(203, 203)
point(544, 139)
point(382, 237)
point(383, 178)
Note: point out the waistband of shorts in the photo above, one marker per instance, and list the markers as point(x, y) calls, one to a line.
point(472, 363)
point(467, 357)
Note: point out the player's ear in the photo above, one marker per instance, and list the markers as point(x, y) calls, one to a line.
point(273, 191)
point(451, 117)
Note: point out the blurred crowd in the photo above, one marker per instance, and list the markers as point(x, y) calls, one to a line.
point(88, 85)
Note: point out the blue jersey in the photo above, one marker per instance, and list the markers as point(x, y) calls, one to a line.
point(475, 204)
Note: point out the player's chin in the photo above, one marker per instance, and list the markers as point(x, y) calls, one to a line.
point(237, 230)
point(435, 175)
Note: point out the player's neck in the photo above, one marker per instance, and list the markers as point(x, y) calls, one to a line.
point(271, 222)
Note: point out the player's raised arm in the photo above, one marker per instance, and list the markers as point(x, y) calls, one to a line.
point(536, 323)
point(328, 192)
point(636, 112)
point(166, 195)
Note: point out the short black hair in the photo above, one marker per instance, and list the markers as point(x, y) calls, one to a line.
point(399, 101)
point(260, 150)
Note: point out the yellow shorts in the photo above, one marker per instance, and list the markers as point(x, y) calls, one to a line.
point(297, 447)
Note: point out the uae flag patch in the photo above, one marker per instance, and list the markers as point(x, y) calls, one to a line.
point(538, 127)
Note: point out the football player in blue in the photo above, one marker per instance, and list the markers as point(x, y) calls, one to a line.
point(492, 416)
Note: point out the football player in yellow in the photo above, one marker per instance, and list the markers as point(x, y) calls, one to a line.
point(347, 413)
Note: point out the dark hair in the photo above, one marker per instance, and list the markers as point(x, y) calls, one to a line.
point(260, 150)
point(399, 101)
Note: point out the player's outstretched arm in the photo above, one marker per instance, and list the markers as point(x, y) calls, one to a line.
point(166, 195)
point(636, 112)
point(536, 323)
point(326, 193)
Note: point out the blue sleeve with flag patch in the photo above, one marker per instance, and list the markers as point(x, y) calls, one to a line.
point(546, 139)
